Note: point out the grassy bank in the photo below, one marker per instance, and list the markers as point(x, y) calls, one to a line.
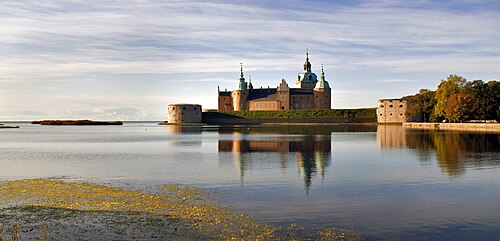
point(62, 210)
point(319, 114)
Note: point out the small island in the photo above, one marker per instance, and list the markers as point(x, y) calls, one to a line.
point(76, 122)
point(5, 127)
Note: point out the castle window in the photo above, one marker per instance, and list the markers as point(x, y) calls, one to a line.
point(381, 106)
point(400, 106)
point(391, 113)
point(390, 106)
point(184, 108)
point(401, 114)
point(194, 108)
point(380, 114)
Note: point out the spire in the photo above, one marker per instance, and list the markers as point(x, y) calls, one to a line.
point(322, 78)
point(250, 86)
point(242, 85)
point(241, 73)
point(307, 64)
point(322, 83)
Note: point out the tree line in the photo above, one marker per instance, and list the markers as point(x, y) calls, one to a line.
point(457, 100)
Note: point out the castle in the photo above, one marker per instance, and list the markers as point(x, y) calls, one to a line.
point(308, 94)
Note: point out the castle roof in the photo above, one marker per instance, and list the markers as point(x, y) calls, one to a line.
point(307, 75)
point(322, 83)
point(255, 94)
point(299, 91)
point(225, 93)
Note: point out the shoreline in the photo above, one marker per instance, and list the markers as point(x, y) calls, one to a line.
point(2, 126)
point(65, 210)
point(75, 122)
point(482, 127)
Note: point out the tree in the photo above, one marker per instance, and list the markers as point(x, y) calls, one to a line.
point(476, 106)
point(452, 85)
point(421, 104)
point(493, 100)
point(456, 107)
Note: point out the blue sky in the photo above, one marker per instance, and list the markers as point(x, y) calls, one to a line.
point(129, 59)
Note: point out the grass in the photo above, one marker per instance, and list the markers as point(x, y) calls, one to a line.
point(80, 210)
point(331, 113)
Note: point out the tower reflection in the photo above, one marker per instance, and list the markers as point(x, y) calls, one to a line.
point(451, 150)
point(311, 153)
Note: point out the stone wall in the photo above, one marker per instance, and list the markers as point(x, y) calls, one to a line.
point(392, 111)
point(455, 126)
point(184, 113)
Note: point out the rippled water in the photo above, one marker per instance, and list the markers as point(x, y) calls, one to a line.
point(387, 182)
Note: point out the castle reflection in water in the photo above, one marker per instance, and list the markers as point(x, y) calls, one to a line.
point(310, 147)
point(311, 151)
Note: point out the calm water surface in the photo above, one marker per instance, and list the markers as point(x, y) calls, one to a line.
point(387, 182)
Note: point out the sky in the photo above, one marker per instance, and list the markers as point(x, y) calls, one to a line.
point(130, 59)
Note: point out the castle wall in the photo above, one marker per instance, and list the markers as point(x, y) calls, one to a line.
point(225, 102)
point(184, 113)
point(264, 105)
point(305, 85)
point(322, 99)
point(392, 111)
point(301, 102)
point(283, 95)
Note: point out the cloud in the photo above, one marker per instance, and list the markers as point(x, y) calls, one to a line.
point(174, 46)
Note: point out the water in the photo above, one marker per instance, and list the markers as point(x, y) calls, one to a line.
point(387, 182)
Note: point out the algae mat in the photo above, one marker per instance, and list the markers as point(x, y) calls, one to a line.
point(53, 209)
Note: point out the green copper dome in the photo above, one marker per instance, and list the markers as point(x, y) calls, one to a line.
point(322, 83)
point(307, 75)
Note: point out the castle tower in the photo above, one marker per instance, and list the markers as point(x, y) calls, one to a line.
point(307, 79)
point(239, 95)
point(283, 95)
point(322, 93)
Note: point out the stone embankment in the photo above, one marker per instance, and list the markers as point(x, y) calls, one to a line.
point(487, 127)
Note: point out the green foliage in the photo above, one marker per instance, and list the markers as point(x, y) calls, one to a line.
point(330, 113)
point(457, 100)
point(452, 85)
point(421, 104)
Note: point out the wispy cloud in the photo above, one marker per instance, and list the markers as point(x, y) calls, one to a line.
point(197, 43)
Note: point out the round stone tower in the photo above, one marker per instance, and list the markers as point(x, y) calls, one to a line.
point(184, 113)
point(322, 93)
point(239, 95)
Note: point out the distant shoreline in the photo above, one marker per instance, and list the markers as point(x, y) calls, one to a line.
point(2, 126)
point(76, 122)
